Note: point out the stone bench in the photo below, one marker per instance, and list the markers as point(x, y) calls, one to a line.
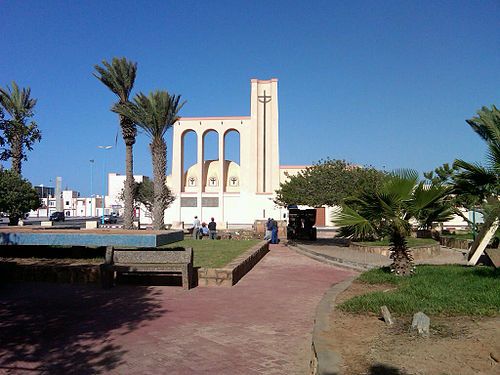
point(147, 261)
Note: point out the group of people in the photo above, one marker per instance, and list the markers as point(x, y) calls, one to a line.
point(271, 231)
point(202, 229)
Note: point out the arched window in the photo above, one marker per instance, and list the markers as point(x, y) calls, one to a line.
point(191, 181)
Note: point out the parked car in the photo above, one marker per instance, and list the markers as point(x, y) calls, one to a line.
point(110, 219)
point(57, 216)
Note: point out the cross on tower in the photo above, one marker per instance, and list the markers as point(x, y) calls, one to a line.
point(264, 99)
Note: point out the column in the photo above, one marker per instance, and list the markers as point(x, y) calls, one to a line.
point(200, 139)
point(222, 177)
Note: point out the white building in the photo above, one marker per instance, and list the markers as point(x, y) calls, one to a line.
point(233, 193)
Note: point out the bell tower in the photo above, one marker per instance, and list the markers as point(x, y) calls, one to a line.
point(264, 135)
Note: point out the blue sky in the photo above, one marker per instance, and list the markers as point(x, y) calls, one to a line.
point(386, 83)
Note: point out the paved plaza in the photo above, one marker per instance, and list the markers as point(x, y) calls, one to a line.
point(260, 326)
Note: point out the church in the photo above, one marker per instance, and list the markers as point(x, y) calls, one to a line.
point(235, 194)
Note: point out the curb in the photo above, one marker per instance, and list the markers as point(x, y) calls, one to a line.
point(334, 261)
point(234, 271)
point(325, 361)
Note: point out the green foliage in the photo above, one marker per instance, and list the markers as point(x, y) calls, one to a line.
point(155, 113)
point(328, 182)
point(483, 181)
point(16, 132)
point(437, 290)
point(119, 76)
point(17, 196)
point(213, 254)
point(143, 193)
point(388, 210)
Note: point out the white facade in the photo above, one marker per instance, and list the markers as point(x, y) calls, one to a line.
point(73, 205)
point(232, 193)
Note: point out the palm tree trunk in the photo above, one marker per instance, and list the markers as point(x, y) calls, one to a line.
point(402, 258)
point(159, 157)
point(129, 132)
point(17, 154)
point(128, 211)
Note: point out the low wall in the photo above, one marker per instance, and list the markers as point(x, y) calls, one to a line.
point(59, 273)
point(235, 270)
point(419, 252)
point(455, 243)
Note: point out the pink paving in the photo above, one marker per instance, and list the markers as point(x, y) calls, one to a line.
point(260, 326)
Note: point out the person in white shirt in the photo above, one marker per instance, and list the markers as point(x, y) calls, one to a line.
point(196, 228)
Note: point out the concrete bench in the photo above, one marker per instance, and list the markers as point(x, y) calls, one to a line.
point(147, 261)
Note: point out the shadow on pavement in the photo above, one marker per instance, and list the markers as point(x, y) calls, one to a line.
point(63, 328)
point(383, 369)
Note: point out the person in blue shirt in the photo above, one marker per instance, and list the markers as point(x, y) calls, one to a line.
point(274, 233)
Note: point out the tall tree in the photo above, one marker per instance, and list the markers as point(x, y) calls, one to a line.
point(119, 77)
point(18, 135)
point(155, 114)
point(388, 211)
point(328, 182)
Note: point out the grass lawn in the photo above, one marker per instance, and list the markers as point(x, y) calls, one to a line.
point(213, 254)
point(438, 290)
point(411, 242)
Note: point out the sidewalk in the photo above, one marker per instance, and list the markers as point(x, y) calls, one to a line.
point(326, 250)
point(262, 325)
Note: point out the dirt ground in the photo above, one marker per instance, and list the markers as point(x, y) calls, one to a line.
point(456, 345)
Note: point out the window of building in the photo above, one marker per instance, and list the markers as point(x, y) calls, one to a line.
point(192, 181)
point(212, 181)
point(52, 203)
point(67, 203)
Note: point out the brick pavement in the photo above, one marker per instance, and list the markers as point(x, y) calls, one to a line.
point(260, 326)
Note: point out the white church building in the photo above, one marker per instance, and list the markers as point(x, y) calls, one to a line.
point(233, 193)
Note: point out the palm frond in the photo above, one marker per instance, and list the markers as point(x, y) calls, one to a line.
point(17, 102)
point(119, 76)
point(400, 183)
point(487, 124)
point(155, 113)
point(358, 225)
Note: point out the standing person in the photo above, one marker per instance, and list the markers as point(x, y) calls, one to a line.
point(274, 232)
point(196, 228)
point(269, 229)
point(212, 227)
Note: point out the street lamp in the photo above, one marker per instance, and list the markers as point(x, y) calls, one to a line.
point(91, 176)
point(103, 178)
point(43, 202)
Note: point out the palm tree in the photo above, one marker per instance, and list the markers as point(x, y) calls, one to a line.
point(155, 114)
point(16, 132)
point(387, 211)
point(119, 77)
point(483, 181)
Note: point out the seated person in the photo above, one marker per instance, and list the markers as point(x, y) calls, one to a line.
point(204, 230)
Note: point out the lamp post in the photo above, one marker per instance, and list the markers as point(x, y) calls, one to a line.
point(38, 211)
point(91, 177)
point(103, 178)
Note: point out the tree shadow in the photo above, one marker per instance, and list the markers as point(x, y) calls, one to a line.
point(339, 242)
point(68, 328)
point(384, 369)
